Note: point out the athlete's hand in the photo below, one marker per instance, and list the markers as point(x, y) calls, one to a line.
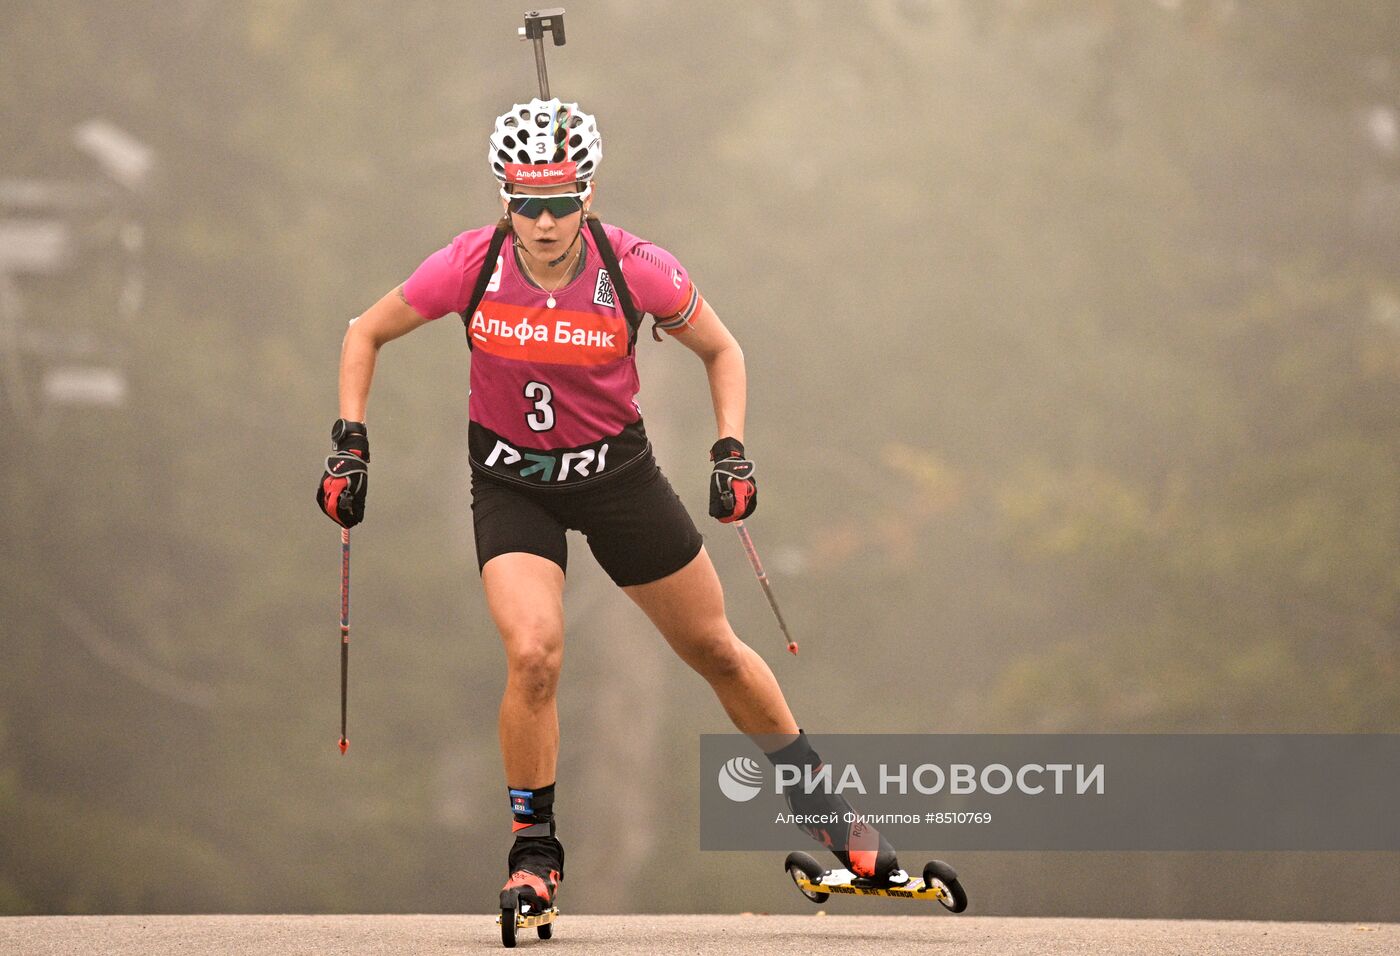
point(733, 491)
point(341, 492)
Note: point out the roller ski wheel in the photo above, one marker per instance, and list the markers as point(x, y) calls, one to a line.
point(806, 872)
point(521, 910)
point(939, 882)
point(939, 875)
point(518, 914)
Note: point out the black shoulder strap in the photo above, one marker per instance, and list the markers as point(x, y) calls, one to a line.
point(483, 278)
point(619, 283)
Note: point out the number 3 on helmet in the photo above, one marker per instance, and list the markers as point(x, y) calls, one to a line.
point(558, 137)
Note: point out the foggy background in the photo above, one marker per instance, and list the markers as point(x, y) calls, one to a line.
point(1073, 335)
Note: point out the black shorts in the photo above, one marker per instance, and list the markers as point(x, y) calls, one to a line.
point(635, 524)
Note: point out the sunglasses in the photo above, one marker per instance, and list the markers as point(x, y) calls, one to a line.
point(558, 205)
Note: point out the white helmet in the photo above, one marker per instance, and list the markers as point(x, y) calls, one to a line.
point(556, 136)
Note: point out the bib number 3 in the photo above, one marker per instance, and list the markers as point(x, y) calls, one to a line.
point(542, 418)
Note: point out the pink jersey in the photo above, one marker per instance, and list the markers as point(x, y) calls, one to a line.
point(553, 390)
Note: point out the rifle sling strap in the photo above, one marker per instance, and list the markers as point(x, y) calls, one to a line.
point(605, 249)
point(483, 278)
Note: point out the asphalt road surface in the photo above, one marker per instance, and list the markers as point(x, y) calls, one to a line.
point(689, 935)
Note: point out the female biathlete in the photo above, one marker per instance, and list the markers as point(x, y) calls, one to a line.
point(556, 443)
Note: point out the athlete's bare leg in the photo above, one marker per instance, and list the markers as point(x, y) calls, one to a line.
point(688, 609)
point(525, 593)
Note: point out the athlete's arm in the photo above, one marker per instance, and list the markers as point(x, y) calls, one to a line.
point(382, 322)
point(706, 336)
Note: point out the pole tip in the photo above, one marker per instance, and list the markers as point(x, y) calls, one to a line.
point(344, 745)
point(792, 648)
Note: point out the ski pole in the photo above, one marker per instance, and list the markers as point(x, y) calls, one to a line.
point(537, 23)
point(344, 630)
point(763, 580)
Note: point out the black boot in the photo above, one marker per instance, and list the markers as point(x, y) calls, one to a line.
point(536, 861)
point(858, 846)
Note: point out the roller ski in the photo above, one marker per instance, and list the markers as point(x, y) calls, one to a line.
point(530, 897)
point(939, 883)
point(868, 864)
point(869, 867)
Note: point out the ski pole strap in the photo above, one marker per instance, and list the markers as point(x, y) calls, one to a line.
point(619, 282)
point(483, 277)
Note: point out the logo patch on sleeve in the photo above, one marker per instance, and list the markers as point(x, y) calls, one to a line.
point(603, 290)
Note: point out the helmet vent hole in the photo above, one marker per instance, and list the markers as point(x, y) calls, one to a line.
point(541, 120)
point(503, 156)
point(510, 122)
point(523, 156)
point(523, 135)
point(510, 143)
point(585, 168)
point(576, 122)
point(575, 140)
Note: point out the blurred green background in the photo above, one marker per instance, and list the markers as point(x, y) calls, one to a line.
point(1073, 331)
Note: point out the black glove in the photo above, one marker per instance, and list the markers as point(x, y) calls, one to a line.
point(733, 491)
point(341, 492)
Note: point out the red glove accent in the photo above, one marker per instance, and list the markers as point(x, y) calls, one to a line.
point(743, 494)
point(331, 487)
